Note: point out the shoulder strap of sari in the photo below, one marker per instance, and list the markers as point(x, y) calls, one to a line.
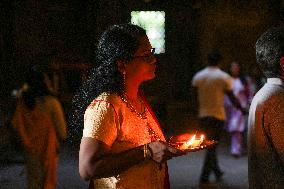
point(149, 108)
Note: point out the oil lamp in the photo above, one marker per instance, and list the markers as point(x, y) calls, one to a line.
point(193, 142)
point(189, 142)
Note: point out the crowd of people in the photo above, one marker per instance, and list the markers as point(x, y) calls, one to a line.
point(123, 145)
point(210, 85)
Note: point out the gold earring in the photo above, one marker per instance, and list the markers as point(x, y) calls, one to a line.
point(124, 76)
point(123, 80)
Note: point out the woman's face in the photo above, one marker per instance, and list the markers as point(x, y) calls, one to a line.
point(142, 67)
point(235, 69)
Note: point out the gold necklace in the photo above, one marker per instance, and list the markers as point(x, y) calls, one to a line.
point(141, 115)
point(152, 133)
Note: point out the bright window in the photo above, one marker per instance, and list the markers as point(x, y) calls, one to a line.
point(154, 24)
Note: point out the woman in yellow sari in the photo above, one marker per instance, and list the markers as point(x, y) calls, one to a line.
point(123, 145)
point(40, 123)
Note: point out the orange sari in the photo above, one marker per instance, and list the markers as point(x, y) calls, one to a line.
point(108, 119)
point(39, 135)
point(167, 180)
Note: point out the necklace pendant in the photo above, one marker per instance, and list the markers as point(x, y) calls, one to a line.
point(141, 115)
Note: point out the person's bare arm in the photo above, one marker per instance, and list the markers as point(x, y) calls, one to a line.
point(235, 101)
point(59, 119)
point(95, 161)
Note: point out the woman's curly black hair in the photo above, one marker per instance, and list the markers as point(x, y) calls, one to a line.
point(119, 42)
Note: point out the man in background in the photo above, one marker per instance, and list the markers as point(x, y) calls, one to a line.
point(266, 116)
point(210, 85)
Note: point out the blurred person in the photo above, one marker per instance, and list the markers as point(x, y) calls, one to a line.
point(209, 87)
point(123, 145)
point(235, 120)
point(266, 115)
point(40, 123)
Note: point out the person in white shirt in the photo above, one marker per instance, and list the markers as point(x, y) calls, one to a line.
point(266, 115)
point(210, 85)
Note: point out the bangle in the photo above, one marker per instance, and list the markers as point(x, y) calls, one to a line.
point(147, 152)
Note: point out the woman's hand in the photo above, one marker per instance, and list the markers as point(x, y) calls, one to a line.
point(161, 151)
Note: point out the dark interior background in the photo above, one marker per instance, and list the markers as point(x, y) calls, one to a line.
point(62, 36)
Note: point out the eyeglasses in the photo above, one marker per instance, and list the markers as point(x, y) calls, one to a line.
point(147, 57)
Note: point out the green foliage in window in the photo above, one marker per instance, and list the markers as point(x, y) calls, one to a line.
point(154, 24)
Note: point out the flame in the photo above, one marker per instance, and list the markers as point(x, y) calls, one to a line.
point(193, 142)
point(202, 138)
point(190, 141)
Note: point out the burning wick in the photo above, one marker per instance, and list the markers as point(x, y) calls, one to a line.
point(193, 142)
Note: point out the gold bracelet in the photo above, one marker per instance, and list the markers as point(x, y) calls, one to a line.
point(147, 152)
